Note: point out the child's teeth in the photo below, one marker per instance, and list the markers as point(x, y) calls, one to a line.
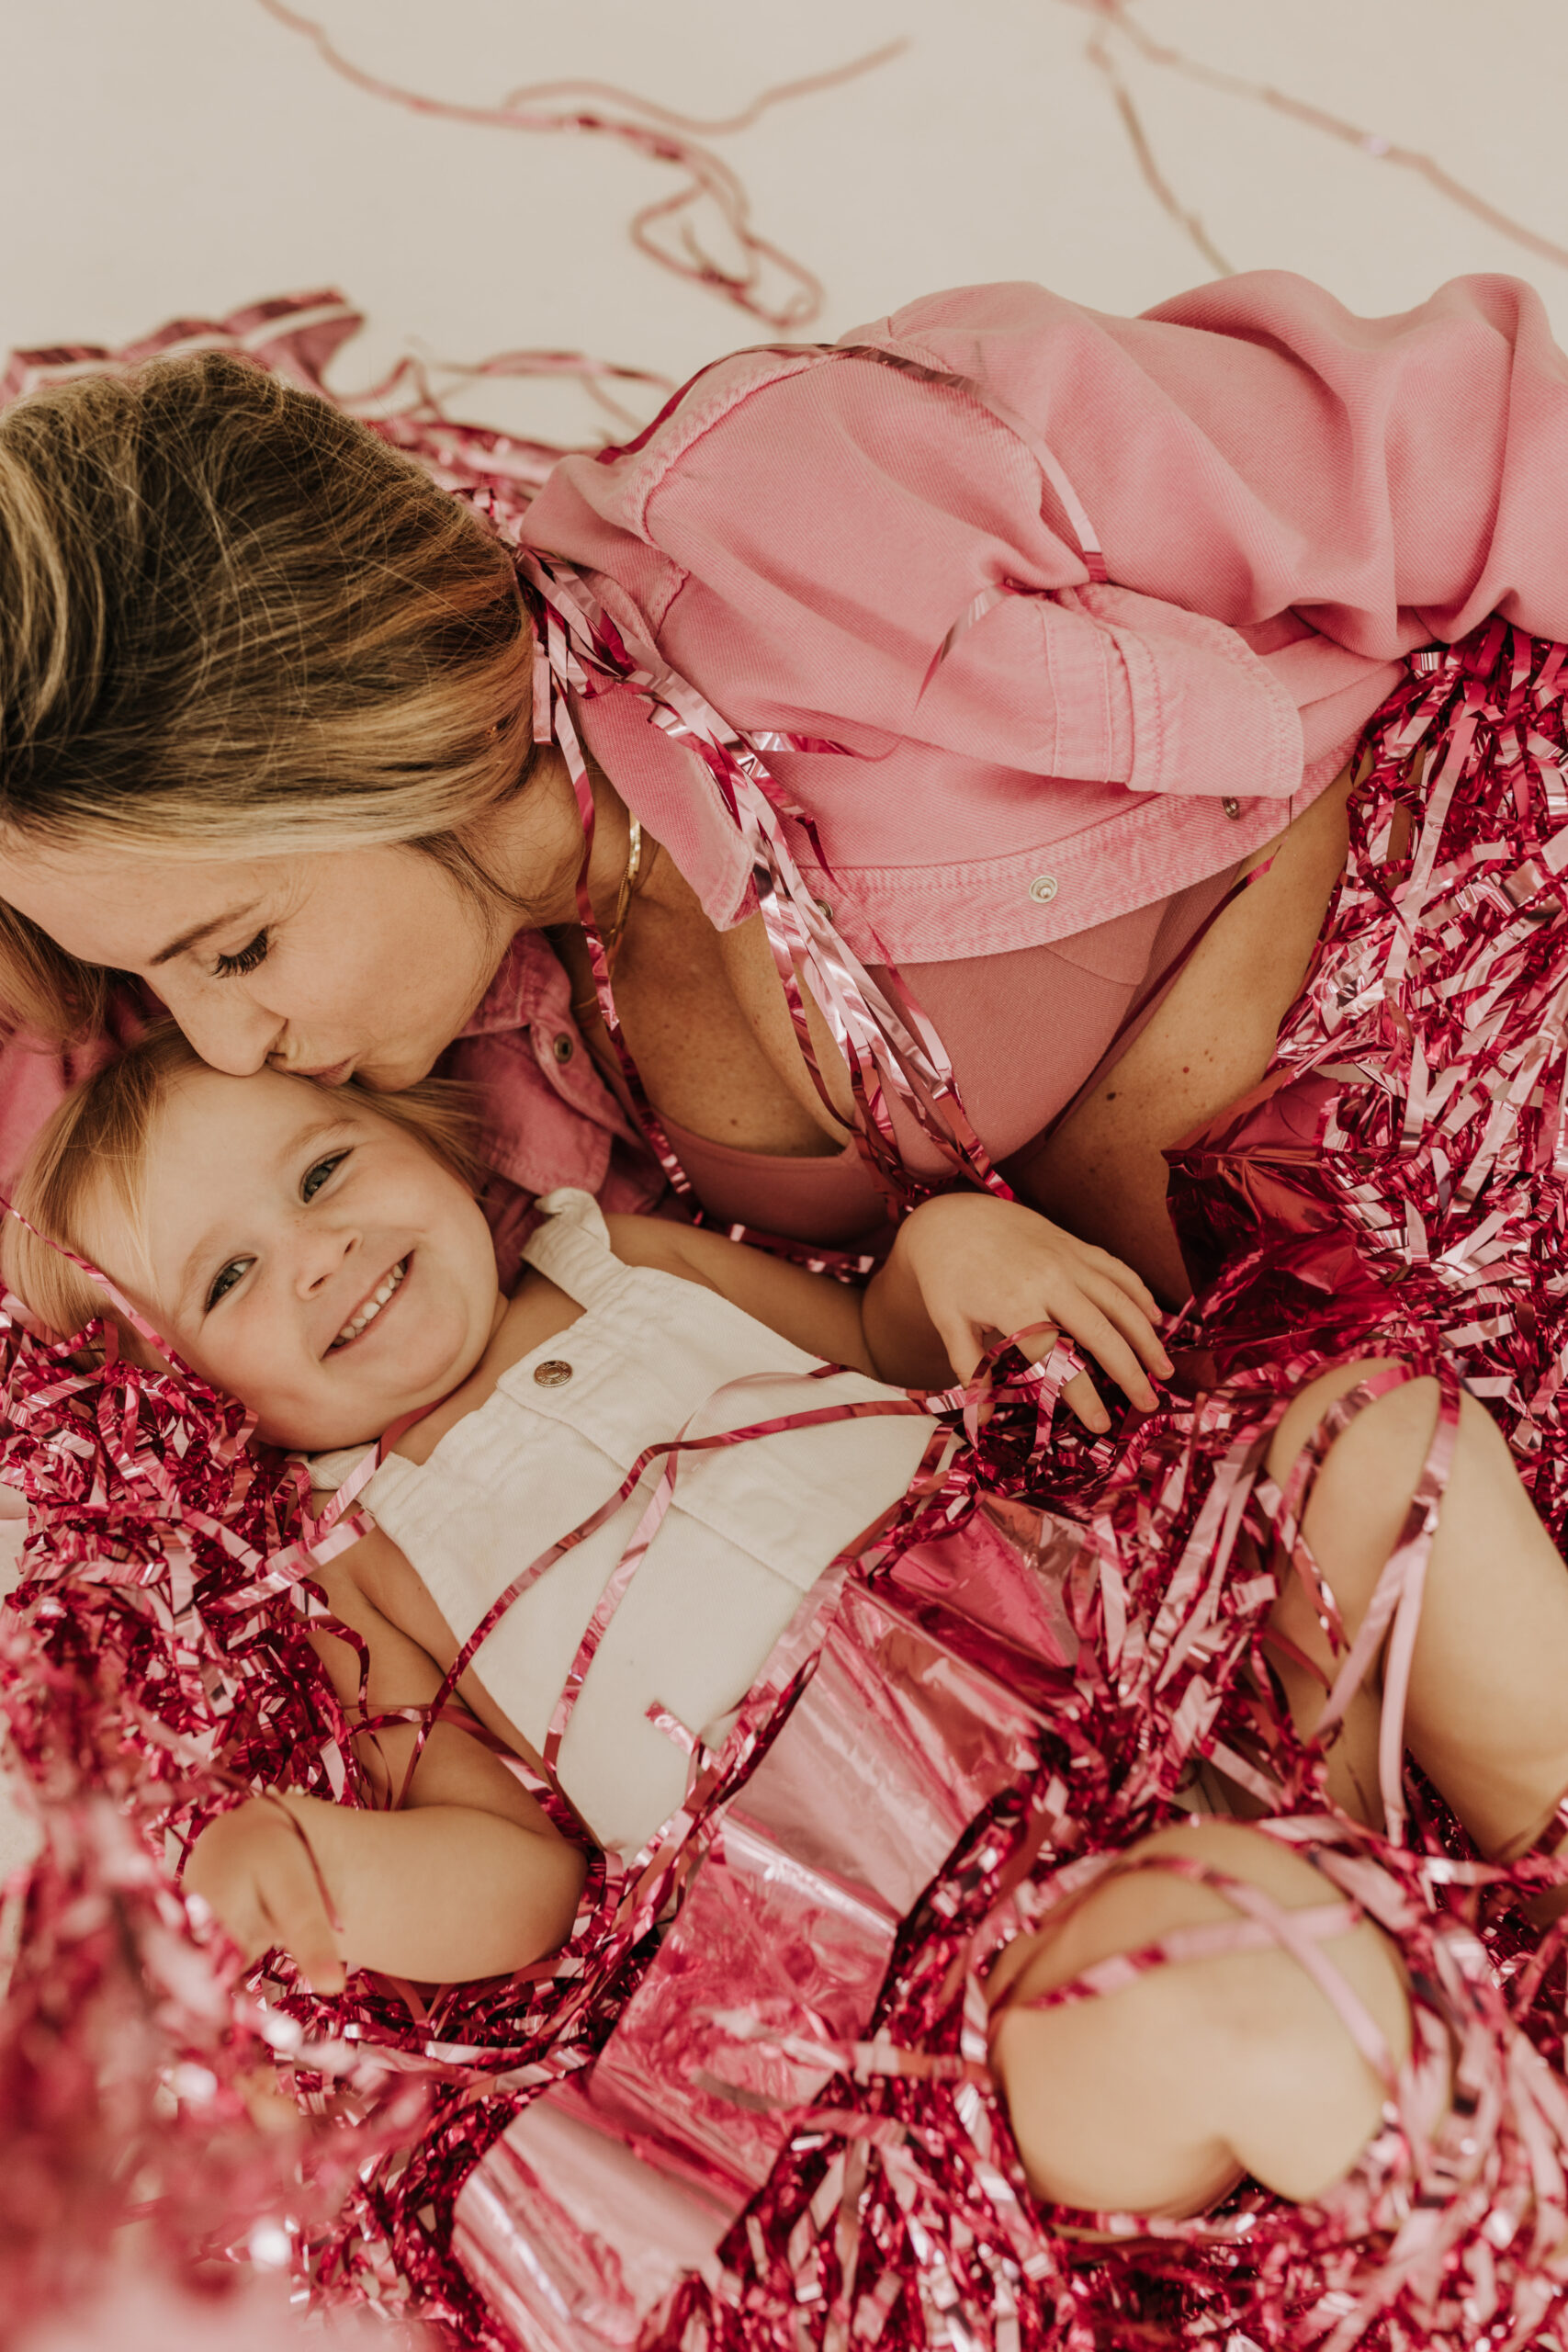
point(373, 1305)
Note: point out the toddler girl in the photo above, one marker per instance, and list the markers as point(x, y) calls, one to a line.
point(319, 1255)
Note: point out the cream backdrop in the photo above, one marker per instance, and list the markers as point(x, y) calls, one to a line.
point(183, 157)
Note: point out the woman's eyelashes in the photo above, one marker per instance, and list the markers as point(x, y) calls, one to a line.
point(246, 959)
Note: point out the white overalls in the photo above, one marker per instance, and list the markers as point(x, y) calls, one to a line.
point(750, 1527)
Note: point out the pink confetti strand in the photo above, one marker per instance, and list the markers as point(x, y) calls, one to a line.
point(662, 137)
point(1099, 56)
point(298, 335)
point(1119, 13)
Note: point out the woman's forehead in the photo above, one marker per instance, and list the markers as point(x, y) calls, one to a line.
point(132, 911)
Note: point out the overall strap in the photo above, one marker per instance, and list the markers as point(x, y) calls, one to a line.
point(571, 1247)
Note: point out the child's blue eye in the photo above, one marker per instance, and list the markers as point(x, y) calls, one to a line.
point(317, 1176)
point(225, 1278)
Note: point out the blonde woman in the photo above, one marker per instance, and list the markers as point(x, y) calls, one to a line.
point(989, 652)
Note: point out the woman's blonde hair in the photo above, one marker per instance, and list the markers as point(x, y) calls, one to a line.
point(233, 621)
point(98, 1140)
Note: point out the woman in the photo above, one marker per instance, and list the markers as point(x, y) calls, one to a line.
point(252, 660)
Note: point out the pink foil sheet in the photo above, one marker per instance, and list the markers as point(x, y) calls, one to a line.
point(777, 1958)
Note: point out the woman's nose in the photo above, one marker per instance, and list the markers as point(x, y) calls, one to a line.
point(235, 1036)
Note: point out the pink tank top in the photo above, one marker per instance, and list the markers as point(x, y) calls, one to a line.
point(1026, 1032)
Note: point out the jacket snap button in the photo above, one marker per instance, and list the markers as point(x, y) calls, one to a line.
point(563, 1047)
point(1042, 890)
point(553, 1373)
point(1231, 807)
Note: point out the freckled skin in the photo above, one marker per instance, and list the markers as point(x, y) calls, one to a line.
point(1103, 1173)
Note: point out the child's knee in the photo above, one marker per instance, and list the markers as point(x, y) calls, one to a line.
point(1159, 2095)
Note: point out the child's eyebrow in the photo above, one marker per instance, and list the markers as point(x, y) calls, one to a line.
point(205, 1247)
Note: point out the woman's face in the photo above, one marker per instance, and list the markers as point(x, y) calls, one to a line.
point(366, 960)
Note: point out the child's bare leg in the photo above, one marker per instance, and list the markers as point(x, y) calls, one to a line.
point(1487, 1708)
point(1158, 2097)
point(1155, 2097)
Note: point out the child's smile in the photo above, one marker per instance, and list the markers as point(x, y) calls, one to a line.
point(386, 1290)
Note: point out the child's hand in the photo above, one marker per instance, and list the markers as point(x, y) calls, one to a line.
point(990, 1269)
point(252, 1867)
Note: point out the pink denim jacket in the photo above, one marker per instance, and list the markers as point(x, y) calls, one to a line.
point(1288, 499)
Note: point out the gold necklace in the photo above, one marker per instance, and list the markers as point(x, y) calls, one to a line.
point(628, 884)
point(584, 1008)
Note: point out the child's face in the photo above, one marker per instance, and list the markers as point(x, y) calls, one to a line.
point(306, 1256)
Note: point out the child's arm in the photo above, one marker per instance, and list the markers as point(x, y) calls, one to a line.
point(965, 1270)
point(468, 1878)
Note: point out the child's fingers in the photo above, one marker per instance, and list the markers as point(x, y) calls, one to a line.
point(963, 1342)
point(1081, 1395)
point(966, 1343)
point(1094, 1332)
point(317, 1955)
point(1102, 1262)
point(1130, 1319)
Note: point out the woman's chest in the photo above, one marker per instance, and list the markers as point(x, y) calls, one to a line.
point(706, 1021)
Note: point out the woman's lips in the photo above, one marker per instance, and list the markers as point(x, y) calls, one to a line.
point(372, 1307)
point(332, 1074)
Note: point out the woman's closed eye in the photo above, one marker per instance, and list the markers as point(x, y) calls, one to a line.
point(247, 958)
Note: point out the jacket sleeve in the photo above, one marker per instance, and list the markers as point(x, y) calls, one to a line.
point(1258, 449)
point(1288, 498)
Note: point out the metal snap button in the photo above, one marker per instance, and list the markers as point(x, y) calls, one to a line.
point(562, 1047)
point(823, 909)
point(553, 1373)
point(1042, 890)
point(1231, 807)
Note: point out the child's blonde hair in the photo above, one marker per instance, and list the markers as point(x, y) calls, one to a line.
point(234, 623)
point(99, 1137)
